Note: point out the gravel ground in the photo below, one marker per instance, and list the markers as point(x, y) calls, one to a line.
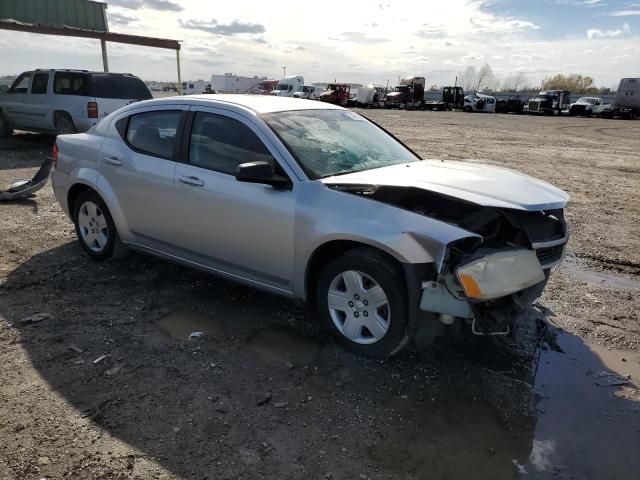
point(109, 386)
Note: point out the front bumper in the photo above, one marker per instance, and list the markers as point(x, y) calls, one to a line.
point(503, 284)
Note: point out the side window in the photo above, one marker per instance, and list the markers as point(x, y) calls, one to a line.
point(154, 133)
point(221, 143)
point(40, 82)
point(21, 84)
point(70, 83)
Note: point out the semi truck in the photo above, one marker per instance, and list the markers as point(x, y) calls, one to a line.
point(408, 94)
point(336, 93)
point(452, 98)
point(287, 86)
point(550, 102)
point(627, 102)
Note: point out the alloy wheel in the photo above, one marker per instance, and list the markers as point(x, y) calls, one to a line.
point(359, 307)
point(93, 226)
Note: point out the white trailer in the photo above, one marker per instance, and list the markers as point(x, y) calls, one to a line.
point(288, 86)
point(194, 87)
point(627, 102)
point(230, 83)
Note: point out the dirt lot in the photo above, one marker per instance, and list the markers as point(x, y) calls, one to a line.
point(109, 386)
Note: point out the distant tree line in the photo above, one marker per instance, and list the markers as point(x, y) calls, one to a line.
point(473, 79)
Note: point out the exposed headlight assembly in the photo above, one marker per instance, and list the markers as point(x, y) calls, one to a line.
point(500, 274)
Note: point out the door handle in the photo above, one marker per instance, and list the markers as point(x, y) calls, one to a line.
point(194, 181)
point(113, 160)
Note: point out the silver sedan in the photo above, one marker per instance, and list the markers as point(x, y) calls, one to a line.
point(317, 203)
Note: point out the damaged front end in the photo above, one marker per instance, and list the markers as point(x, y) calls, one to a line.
point(486, 281)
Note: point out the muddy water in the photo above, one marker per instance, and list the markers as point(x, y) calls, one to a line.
point(283, 348)
point(579, 430)
point(180, 325)
point(610, 280)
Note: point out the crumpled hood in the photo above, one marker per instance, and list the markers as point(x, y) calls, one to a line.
point(473, 182)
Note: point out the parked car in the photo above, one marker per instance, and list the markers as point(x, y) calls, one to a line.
point(66, 101)
point(479, 102)
point(511, 105)
point(585, 106)
point(315, 202)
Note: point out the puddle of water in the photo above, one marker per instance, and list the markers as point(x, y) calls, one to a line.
point(282, 347)
point(603, 279)
point(181, 324)
point(581, 430)
point(583, 426)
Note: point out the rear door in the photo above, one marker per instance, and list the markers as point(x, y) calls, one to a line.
point(15, 106)
point(113, 91)
point(245, 229)
point(138, 166)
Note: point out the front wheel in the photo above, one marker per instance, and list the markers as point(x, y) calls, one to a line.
point(362, 299)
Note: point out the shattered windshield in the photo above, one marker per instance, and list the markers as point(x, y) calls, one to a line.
point(335, 142)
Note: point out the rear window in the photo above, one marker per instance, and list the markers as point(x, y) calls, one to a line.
point(119, 86)
point(70, 83)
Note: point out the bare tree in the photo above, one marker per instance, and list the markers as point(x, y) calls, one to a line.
point(467, 79)
point(472, 80)
point(515, 82)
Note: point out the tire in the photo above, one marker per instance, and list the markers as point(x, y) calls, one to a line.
point(5, 128)
point(346, 291)
point(91, 213)
point(64, 125)
point(401, 106)
point(468, 109)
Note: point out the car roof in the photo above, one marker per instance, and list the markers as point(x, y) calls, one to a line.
point(256, 103)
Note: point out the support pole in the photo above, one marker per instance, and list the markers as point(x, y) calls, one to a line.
point(179, 76)
point(105, 61)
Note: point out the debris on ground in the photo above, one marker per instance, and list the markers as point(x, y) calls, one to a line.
point(520, 468)
point(610, 379)
point(99, 359)
point(264, 400)
point(75, 348)
point(35, 318)
point(197, 334)
point(280, 404)
point(113, 370)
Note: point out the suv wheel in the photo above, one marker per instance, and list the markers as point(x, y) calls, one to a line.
point(64, 124)
point(5, 128)
point(94, 226)
point(361, 298)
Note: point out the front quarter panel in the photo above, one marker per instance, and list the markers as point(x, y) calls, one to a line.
point(324, 215)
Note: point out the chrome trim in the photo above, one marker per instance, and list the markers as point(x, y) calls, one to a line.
point(550, 243)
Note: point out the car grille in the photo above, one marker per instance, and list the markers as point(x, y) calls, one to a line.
point(548, 256)
point(534, 106)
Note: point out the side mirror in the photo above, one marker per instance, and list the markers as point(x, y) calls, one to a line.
point(261, 172)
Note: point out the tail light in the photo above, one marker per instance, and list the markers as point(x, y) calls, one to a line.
point(54, 155)
point(92, 110)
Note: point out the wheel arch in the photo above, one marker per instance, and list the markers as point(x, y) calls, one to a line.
point(330, 250)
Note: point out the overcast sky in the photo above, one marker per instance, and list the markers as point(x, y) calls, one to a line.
point(355, 41)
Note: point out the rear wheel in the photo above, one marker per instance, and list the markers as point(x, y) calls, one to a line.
point(5, 128)
point(362, 300)
point(95, 228)
point(64, 125)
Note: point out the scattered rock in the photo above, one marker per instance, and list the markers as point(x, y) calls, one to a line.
point(280, 404)
point(176, 429)
point(113, 370)
point(492, 450)
point(197, 334)
point(35, 318)
point(44, 461)
point(264, 400)
point(75, 348)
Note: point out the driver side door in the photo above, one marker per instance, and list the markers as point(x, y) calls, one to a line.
point(242, 229)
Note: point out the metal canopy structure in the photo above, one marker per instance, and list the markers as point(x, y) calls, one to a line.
point(75, 18)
